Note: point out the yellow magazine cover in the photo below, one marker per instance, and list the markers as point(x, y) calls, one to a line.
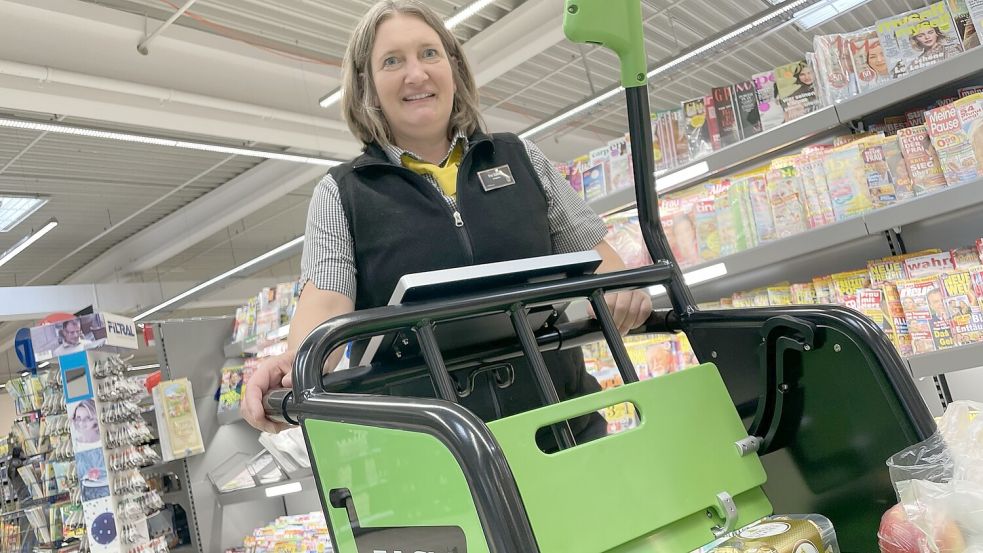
point(885, 271)
point(780, 294)
point(824, 290)
point(963, 307)
point(901, 337)
point(804, 294)
point(846, 284)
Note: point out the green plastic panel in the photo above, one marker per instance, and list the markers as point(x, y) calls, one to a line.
point(644, 490)
point(614, 24)
point(397, 479)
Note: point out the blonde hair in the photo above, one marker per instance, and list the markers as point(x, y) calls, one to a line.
point(359, 106)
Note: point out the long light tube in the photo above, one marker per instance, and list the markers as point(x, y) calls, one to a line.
point(27, 241)
point(157, 141)
point(780, 11)
point(214, 280)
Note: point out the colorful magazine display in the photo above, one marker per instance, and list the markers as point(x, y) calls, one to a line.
point(921, 159)
point(619, 156)
point(746, 102)
point(956, 131)
point(769, 108)
point(796, 84)
point(697, 128)
point(833, 61)
point(724, 105)
point(870, 65)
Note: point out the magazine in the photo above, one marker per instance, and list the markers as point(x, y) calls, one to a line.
point(726, 110)
point(880, 186)
point(968, 90)
point(679, 225)
point(964, 259)
point(785, 195)
point(834, 69)
point(697, 129)
point(896, 168)
point(230, 390)
point(814, 190)
point(918, 38)
point(761, 211)
point(885, 270)
point(845, 286)
point(713, 125)
point(779, 294)
point(921, 159)
point(923, 303)
point(746, 103)
point(619, 161)
point(965, 29)
point(804, 294)
point(625, 236)
point(815, 158)
point(955, 129)
point(979, 248)
point(796, 85)
point(595, 176)
point(872, 302)
point(870, 68)
point(846, 182)
point(915, 117)
point(577, 168)
point(736, 216)
point(963, 307)
point(929, 264)
point(769, 108)
point(660, 155)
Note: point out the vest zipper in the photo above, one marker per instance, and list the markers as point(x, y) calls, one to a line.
point(458, 222)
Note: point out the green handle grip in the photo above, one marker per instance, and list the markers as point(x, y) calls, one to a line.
point(614, 24)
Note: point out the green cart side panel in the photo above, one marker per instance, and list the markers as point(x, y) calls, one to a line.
point(617, 24)
point(397, 479)
point(644, 490)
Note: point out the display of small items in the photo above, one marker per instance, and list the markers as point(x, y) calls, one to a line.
point(307, 533)
point(127, 438)
point(266, 313)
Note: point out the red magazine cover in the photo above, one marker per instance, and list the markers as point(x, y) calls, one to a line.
point(929, 264)
point(713, 123)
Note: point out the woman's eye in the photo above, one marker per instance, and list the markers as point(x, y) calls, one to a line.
point(430, 53)
point(390, 61)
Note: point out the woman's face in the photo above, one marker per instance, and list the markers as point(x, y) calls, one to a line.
point(86, 424)
point(927, 38)
point(876, 59)
point(805, 76)
point(413, 78)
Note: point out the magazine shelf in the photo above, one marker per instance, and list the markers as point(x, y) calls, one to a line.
point(949, 360)
point(763, 146)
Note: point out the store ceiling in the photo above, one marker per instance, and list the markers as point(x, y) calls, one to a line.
point(95, 184)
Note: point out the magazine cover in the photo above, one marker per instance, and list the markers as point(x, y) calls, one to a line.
point(780, 294)
point(734, 217)
point(620, 163)
point(918, 38)
point(956, 131)
point(885, 270)
point(979, 248)
point(815, 159)
point(746, 104)
point(902, 338)
point(796, 85)
point(804, 294)
point(870, 66)
point(965, 29)
point(824, 289)
point(963, 307)
point(577, 168)
point(834, 68)
point(924, 307)
point(764, 219)
point(769, 108)
point(726, 110)
point(676, 120)
point(595, 177)
point(846, 284)
point(897, 168)
point(880, 186)
point(660, 156)
point(915, 117)
point(846, 182)
point(697, 129)
point(679, 224)
point(968, 91)
point(671, 139)
point(976, 280)
point(230, 390)
point(894, 123)
point(787, 203)
point(964, 259)
point(873, 304)
point(819, 210)
point(921, 159)
point(713, 125)
point(929, 264)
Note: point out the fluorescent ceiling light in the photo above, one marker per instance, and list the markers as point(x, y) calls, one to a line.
point(464, 13)
point(683, 175)
point(820, 13)
point(14, 209)
point(330, 99)
point(283, 489)
point(43, 365)
point(144, 367)
point(27, 241)
point(453, 21)
point(783, 10)
point(156, 141)
point(214, 280)
point(25, 373)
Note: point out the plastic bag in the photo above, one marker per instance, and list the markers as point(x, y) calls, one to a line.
point(939, 483)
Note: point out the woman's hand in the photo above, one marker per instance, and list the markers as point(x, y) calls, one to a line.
point(629, 309)
point(272, 373)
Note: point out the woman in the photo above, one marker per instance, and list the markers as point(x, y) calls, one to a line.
point(431, 191)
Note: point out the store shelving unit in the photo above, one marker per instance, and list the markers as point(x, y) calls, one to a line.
point(261, 493)
point(962, 358)
point(794, 133)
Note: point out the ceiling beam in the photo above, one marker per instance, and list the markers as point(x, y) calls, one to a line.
point(505, 44)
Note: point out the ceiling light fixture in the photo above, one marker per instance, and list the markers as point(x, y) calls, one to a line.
point(816, 15)
point(43, 365)
point(27, 241)
point(461, 16)
point(144, 367)
point(157, 141)
point(14, 209)
point(283, 249)
point(781, 11)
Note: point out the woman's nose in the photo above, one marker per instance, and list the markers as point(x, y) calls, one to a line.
point(415, 72)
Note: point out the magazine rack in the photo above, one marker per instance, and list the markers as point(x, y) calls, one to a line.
point(816, 398)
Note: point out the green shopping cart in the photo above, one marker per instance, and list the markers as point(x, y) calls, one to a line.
point(793, 410)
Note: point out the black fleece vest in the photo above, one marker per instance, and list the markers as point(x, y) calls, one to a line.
point(401, 224)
